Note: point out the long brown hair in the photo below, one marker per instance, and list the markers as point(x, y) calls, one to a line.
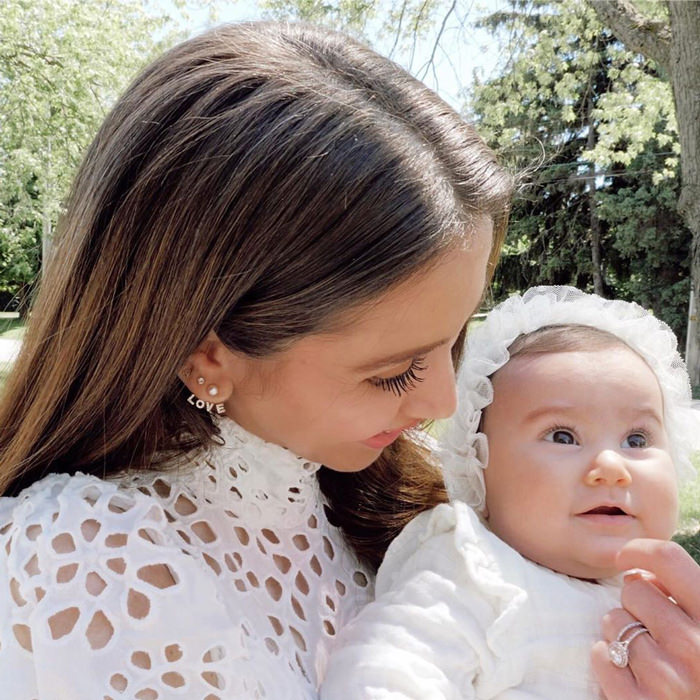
point(255, 180)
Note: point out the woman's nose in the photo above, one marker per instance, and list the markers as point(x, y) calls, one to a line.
point(436, 396)
point(608, 468)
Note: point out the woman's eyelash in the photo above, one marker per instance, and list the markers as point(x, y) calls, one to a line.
point(403, 382)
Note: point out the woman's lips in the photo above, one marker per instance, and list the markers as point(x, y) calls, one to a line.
point(385, 438)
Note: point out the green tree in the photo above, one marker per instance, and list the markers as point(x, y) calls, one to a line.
point(62, 62)
point(20, 244)
point(571, 96)
point(668, 33)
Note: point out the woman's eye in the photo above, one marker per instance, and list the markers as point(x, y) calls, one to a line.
point(561, 437)
point(637, 440)
point(401, 383)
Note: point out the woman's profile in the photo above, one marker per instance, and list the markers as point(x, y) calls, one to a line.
point(269, 254)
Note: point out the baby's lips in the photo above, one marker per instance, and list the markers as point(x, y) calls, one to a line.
point(606, 510)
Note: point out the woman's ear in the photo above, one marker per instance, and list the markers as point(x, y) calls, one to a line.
point(208, 371)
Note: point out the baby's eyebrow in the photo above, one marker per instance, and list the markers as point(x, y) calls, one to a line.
point(647, 412)
point(634, 413)
point(560, 408)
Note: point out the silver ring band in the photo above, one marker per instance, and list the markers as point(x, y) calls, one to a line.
point(618, 651)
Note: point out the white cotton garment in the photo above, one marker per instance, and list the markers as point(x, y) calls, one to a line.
point(221, 579)
point(460, 615)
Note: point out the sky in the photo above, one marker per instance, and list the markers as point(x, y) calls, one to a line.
point(468, 50)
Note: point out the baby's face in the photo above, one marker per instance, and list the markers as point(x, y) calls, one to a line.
point(579, 458)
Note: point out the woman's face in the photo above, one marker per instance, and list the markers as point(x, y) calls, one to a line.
point(339, 398)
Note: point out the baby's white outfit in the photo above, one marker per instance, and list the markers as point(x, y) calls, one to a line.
point(460, 614)
point(261, 582)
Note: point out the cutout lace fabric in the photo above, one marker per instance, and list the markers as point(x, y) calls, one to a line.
point(220, 579)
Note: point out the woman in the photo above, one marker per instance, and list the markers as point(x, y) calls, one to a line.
point(270, 251)
point(273, 223)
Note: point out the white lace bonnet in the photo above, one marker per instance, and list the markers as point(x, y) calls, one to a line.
point(464, 450)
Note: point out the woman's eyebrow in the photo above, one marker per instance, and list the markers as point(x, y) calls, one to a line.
point(388, 360)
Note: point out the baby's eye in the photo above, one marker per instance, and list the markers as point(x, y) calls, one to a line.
point(637, 440)
point(561, 436)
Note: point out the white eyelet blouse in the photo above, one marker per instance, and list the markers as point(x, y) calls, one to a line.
point(257, 582)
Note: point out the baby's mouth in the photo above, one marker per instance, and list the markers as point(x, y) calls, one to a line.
point(606, 510)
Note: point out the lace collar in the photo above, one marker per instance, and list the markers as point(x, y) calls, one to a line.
point(262, 481)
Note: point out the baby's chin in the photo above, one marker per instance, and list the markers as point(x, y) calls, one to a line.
point(597, 569)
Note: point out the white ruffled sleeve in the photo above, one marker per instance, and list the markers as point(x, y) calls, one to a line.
point(86, 611)
point(441, 608)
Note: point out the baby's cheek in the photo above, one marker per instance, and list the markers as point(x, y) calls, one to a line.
point(665, 508)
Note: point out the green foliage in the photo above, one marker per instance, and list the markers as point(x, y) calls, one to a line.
point(690, 505)
point(62, 63)
point(351, 15)
point(650, 245)
point(590, 127)
point(20, 238)
point(688, 535)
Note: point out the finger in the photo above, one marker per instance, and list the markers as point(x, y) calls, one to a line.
point(671, 565)
point(616, 683)
point(640, 574)
point(649, 672)
point(646, 603)
point(668, 667)
point(614, 621)
point(642, 647)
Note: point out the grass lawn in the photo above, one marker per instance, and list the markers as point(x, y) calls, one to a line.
point(5, 368)
point(688, 535)
point(11, 327)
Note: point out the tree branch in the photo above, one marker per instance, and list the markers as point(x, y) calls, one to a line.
point(431, 61)
point(635, 30)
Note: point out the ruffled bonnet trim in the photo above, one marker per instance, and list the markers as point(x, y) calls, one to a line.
point(464, 450)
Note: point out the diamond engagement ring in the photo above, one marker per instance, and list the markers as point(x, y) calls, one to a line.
point(617, 650)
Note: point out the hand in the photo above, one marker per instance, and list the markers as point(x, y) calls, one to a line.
point(664, 664)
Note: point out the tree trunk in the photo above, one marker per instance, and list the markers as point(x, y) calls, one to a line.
point(676, 48)
point(598, 286)
point(593, 205)
point(46, 238)
point(684, 70)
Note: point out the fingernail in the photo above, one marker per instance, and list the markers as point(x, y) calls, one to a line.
point(638, 575)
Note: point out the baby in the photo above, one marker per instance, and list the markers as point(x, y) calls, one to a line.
point(575, 424)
